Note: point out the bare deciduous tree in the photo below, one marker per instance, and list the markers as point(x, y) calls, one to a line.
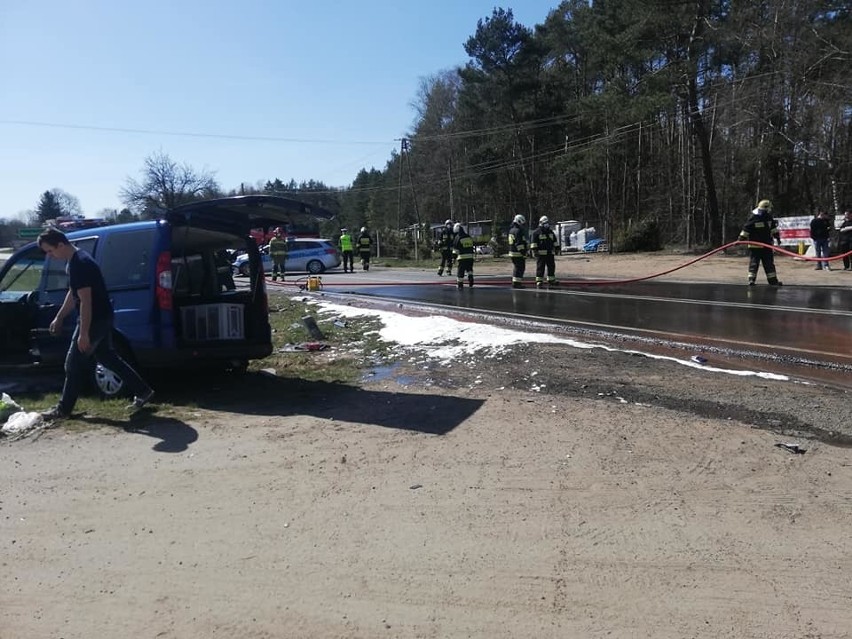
point(69, 204)
point(166, 184)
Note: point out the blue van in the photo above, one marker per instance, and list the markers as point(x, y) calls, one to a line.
point(176, 304)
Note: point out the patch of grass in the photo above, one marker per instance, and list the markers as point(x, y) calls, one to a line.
point(352, 344)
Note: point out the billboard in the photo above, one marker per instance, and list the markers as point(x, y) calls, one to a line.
point(795, 229)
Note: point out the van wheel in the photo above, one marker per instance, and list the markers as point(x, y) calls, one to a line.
point(315, 267)
point(106, 382)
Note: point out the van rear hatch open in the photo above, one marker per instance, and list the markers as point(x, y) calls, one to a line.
point(210, 314)
point(246, 212)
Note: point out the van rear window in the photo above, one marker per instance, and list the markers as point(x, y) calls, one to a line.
point(126, 258)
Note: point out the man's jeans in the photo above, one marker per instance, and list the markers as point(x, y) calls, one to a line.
point(821, 248)
point(77, 365)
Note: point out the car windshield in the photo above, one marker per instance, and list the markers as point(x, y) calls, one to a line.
point(23, 275)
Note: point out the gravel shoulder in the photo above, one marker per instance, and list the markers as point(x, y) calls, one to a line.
point(546, 492)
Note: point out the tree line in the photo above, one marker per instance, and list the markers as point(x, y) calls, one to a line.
point(657, 121)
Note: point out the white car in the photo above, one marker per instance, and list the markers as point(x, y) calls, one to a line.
point(303, 255)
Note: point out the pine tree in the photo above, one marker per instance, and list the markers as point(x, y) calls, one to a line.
point(48, 208)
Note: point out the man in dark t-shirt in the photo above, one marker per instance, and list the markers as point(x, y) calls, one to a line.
point(92, 337)
point(84, 272)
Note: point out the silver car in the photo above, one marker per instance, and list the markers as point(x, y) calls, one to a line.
point(303, 255)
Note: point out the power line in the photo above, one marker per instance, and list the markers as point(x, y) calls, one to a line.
point(187, 134)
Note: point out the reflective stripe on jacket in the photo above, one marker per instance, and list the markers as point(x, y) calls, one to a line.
point(517, 241)
point(543, 242)
point(760, 228)
point(277, 248)
point(463, 247)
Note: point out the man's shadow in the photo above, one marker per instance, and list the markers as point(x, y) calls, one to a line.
point(175, 436)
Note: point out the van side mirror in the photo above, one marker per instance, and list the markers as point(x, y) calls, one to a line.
point(32, 298)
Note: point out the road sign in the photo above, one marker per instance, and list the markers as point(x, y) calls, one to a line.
point(29, 233)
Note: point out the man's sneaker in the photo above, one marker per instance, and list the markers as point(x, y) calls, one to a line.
point(139, 402)
point(54, 413)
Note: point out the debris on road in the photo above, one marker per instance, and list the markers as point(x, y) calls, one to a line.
point(792, 447)
point(303, 347)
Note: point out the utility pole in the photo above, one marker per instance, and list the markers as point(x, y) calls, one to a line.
point(406, 146)
point(402, 143)
point(450, 182)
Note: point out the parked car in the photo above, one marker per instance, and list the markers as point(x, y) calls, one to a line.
point(170, 284)
point(303, 255)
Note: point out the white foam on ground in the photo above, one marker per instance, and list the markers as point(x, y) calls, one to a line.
point(447, 339)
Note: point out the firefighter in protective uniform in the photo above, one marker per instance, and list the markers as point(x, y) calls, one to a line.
point(518, 250)
point(278, 253)
point(365, 248)
point(543, 247)
point(463, 250)
point(445, 246)
point(761, 227)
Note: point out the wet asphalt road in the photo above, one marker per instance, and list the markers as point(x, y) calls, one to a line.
point(809, 323)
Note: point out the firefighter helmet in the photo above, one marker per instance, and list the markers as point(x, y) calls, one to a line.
point(363, 229)
point(457, 227)
point(520, 219)
point(448, 223)
point(764, 204)
point(543, 220)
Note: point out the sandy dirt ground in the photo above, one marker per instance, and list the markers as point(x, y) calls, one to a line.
point(549, 492)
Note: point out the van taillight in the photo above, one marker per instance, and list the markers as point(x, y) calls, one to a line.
point(164, 281)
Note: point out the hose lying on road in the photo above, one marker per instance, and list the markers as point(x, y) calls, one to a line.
point(300, 282)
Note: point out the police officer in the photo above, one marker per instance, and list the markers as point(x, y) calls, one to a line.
point(278, 253)
point(445, 246)
point(365, 248)
point(761, 227)
point(518, 250)
point(543, 247)
point(463, 251)
point(345, 244)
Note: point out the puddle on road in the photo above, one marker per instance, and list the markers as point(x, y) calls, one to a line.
point(388, 373)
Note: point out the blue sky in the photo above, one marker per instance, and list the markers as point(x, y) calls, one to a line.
point(332, 80)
